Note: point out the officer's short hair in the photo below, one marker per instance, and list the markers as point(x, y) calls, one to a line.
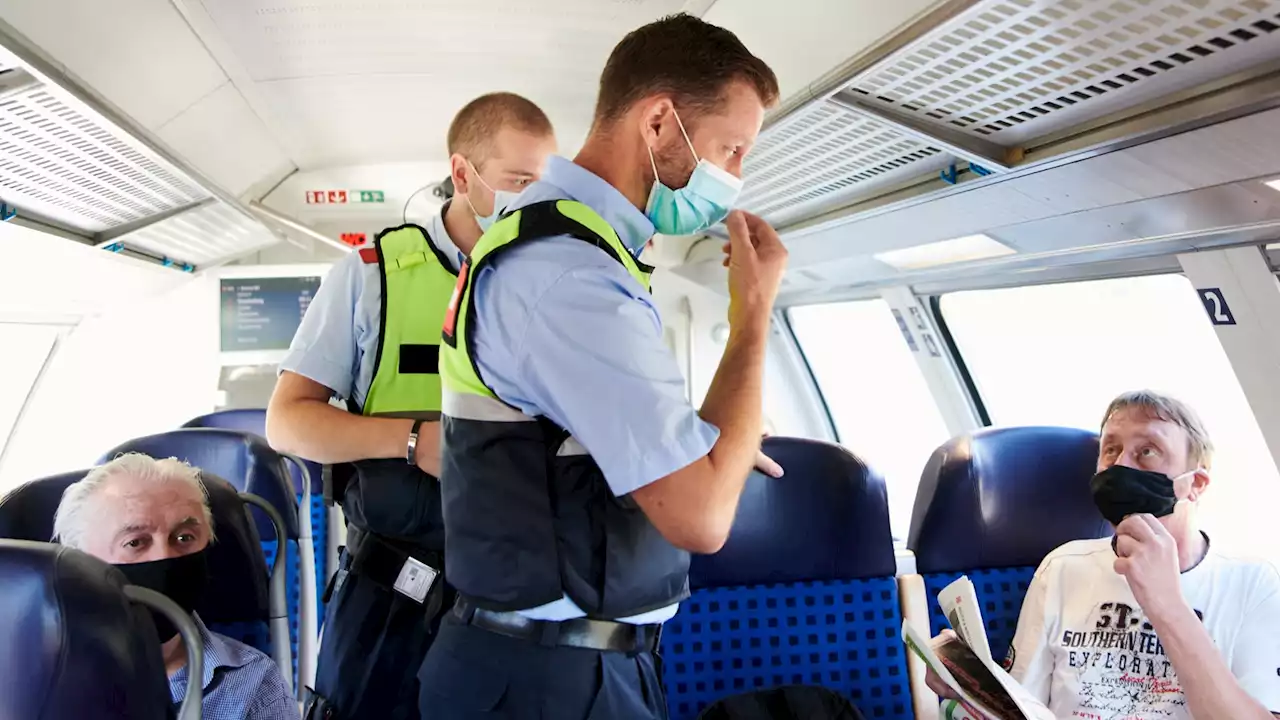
point(682, 56)
point(479, 121)
point(1170, 409)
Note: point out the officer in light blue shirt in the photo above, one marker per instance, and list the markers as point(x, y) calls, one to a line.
point(370, 338)
point(576, 476)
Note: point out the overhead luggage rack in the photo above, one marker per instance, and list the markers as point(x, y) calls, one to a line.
point(73, 164)
point(826, 150)
point(57, 162)
point(995, 80)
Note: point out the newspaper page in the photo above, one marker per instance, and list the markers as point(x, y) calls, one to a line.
point(959, 602)
point(963, 661)
point(966, 674)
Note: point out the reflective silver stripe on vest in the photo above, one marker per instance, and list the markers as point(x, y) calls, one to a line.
point(571, 447)
point(465, 406)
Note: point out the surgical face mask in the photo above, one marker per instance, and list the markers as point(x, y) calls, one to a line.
point(182, 579)
point(1120, 491)
point(704, 201)
point(502, 199)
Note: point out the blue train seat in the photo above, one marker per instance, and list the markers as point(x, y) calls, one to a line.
point(236, 602)
point(802, 592)
point(72, 645)
point(254, 420)
point(992, 505)
point(249, 464)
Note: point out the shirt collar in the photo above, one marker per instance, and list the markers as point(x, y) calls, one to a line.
point(217, 654)
point(440, 238)
point(633, 227)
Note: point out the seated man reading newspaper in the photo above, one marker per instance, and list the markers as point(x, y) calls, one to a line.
point(1156, 622)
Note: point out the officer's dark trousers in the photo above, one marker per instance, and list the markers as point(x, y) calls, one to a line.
point(472, 673)
point(374, 641)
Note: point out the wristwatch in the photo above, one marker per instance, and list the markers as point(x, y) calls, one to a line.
point(411, 452)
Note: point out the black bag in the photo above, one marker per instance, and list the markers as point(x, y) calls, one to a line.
point(792, 702)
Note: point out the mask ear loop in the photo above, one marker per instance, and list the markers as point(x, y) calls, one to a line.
point(1189, 474)
point(653, 164)
point(686, 136)
point(486, 185)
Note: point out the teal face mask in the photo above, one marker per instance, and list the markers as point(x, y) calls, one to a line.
point(704, 201)
point(502, 199)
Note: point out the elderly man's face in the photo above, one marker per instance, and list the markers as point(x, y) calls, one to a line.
point(132, 521)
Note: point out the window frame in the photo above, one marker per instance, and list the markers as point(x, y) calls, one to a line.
point(60, 332)
point(798, 349)
point(934, 303)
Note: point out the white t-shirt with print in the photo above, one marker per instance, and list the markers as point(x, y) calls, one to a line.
point(1084, 648)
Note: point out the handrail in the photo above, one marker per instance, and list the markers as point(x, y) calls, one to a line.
point(193, 700)
point(277, 602)
point(308, 625)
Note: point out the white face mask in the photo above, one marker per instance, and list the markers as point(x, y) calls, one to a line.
point(502, 199)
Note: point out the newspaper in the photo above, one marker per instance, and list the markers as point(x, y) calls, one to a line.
point(963, 661)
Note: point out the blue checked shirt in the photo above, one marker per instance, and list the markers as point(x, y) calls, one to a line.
point(240, 683)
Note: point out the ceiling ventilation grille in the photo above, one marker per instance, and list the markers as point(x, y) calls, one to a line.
point(57, 162)
point(823, 153)
point(1012, 70)
point(212, 232)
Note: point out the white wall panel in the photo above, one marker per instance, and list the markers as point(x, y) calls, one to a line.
point(140, 54)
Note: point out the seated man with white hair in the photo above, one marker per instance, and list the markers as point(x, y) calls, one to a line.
point(151, 519)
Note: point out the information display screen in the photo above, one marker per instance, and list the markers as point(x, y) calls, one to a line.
point(263, 313)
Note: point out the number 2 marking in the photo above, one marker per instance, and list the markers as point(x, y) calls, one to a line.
point(1215, 304)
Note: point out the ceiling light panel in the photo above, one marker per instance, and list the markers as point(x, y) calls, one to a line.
point(946, 252)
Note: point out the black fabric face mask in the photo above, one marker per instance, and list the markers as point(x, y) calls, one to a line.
point(1120, 491)
point(182, 579)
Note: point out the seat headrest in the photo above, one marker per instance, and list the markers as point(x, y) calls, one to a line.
point(254, 420)
point(26, 512)
point(71, 641)
point(243, 459)
point(238, 590)
point(827, 518)
point(1005, 497)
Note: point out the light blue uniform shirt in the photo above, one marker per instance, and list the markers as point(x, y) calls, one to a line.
point(563, 330)
point(239, 683)
point(337, 343)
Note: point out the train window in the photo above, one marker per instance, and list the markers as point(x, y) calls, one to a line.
point(26, 347)
point(1057, 354)
point(879, 401)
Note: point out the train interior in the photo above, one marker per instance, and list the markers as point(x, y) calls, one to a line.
point(999, 214)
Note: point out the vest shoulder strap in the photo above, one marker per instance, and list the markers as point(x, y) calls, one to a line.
point(404, 246)
point(551, 218)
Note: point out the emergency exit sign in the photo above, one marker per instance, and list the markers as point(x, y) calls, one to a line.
point(344, 197)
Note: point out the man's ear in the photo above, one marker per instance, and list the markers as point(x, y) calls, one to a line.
point(653, 113)
point(458, 173)
point(1199, 483)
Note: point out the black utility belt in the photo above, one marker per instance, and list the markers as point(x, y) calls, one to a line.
point(586, 633)
point(414, 573)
